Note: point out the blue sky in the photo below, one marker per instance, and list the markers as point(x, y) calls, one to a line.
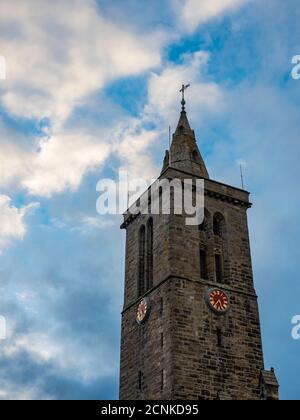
point(91, 88)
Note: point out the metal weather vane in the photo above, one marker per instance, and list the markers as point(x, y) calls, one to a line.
point(182, 90)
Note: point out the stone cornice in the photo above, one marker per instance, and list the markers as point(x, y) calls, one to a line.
point(218, 195)
point(227, 198)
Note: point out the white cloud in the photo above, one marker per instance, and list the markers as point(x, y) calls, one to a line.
point(203, 96)
point(57, 56)
point(12, 223)
point(59, 161)
point(85, 224)
point(51, 164)
point(62, 161)
point(134, 140)
point(71, 357)
point(55, 62)
point(10, 390)
point(195, 12)
point(90, 223)
point(14, 160)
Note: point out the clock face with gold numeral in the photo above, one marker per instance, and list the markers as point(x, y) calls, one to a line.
point(143, 311)
point(218, 301)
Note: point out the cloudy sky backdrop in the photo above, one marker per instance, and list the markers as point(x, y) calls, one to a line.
point(91, 88)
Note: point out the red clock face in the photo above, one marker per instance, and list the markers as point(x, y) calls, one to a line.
point(143, 310)
point(218, 301)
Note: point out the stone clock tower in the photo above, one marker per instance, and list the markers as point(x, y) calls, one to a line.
point(190, 324)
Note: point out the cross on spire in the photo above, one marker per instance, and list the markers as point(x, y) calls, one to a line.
point(182, 90)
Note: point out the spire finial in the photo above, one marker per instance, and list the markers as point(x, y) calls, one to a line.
point(182, 90)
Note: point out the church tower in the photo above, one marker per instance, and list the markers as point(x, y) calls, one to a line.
point(190, 323)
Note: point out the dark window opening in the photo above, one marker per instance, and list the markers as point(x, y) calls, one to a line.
point(217, 230)
point(150, 254)
point(218, 225)
point(219, 271)
point(203, 264)
point(160, 198)
point(149, 202)
point(195, 156)
point(162, 340)
point(141, 282)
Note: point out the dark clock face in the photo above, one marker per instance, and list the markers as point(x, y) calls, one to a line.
point(143, 311)
point(218, 301)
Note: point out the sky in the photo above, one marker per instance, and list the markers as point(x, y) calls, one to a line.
point(91, 89)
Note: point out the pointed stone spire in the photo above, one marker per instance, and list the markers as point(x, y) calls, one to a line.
point(184, 153)
point(183, 123)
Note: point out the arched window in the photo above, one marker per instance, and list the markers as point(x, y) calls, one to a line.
point(150, 254)
point(205, 247)
point(141, 280)
point(218, 224)
point(195, 156)
point(160, 198)
point(221, 246)
point(219, 268)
